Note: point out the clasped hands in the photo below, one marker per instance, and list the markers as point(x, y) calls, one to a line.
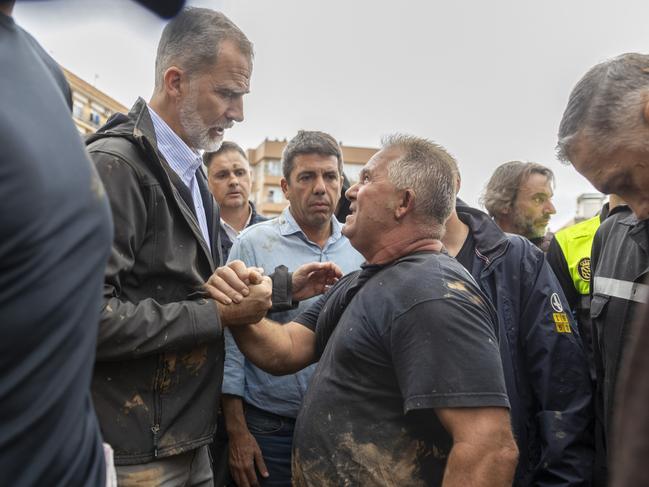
point(244, 294)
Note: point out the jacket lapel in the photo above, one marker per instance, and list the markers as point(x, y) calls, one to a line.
point(212, 214)
point(168, 178)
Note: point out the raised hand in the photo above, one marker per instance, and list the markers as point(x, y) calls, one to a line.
point(314, 278)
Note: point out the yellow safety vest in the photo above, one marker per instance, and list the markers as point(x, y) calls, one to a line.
point(576, 242)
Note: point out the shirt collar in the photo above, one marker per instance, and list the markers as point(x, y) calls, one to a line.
point(234, 230)
point(288, 226)
point(182, 159)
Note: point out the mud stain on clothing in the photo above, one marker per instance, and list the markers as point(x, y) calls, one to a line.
point(194, 360)
point(461, 287)
point(133, 402)
point(366, 464)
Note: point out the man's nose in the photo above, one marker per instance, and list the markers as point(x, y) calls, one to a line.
point(350, 194)
point(319, 185)
point(235, 109)
point(549, 208)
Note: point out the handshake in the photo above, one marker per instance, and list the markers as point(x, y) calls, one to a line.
point(244, 294)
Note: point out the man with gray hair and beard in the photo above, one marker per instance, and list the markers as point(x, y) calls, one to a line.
point(159, 362)
point(409, 387)
point(518, 197)
point(604, 134)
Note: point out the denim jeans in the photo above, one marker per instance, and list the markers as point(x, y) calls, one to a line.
point(274, 435)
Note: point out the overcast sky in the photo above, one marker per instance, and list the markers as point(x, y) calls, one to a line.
point(486, 79)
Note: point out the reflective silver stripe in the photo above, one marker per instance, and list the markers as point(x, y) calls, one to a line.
point(631, 291)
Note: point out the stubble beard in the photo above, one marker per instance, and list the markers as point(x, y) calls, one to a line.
point(197, 133)
point(527, 228)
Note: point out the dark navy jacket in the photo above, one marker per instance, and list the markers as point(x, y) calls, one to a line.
point(546, 370)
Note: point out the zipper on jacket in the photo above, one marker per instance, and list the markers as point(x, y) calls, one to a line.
point(157, 413)
point(155, 429)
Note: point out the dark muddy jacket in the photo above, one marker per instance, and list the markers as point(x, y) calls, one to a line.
point(546, 370)
point(620, 266)
point(159, 366)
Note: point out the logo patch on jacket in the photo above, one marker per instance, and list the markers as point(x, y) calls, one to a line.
point(561, 322)
point(555, 302)
point(583, 268)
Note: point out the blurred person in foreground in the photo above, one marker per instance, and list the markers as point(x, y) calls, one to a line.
point(55, 234)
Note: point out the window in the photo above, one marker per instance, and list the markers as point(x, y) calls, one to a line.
point(274, 195)
point(94, 118)
point(274, 168)
point(77, 109)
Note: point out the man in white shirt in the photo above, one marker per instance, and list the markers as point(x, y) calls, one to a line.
point(229, 179)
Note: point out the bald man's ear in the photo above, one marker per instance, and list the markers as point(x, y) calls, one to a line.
point(458, 184)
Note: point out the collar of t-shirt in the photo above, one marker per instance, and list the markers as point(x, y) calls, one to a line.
point(288, 226)
point(184, 161)
point(232, 232)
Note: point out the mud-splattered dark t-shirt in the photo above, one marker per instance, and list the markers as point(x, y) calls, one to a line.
point(394, 342)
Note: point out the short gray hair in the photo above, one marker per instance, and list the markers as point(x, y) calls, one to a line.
point(503, 186)
point(310, 142)
point(606, 105)
point(430, 172)
point(192, 39)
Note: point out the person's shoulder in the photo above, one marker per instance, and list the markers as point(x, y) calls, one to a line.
point(431, 280)
point(613, 223)
point(425, 274)
point(261, 229)
point(585, 228)
point(257, 218)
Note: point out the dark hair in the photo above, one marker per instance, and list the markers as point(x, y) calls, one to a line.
point(192, 39)
point(226, 147)
point(310, 142)
point(502, 189)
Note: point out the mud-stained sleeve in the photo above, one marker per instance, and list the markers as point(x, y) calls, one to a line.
point(445, 354)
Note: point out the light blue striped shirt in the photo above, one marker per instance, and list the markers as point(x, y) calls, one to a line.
point(185, 162)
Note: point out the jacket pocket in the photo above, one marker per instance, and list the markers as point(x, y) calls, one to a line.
point(598, 305)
